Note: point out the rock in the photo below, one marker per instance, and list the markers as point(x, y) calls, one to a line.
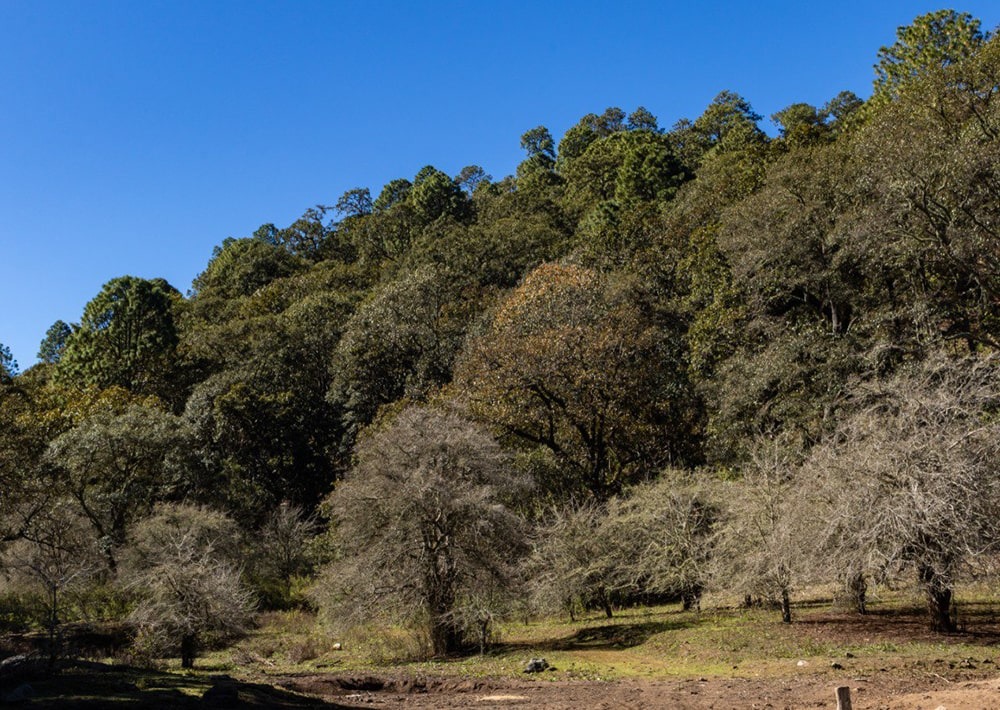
point(836, 666)
point(337, 646)
point(802, 664)
point(536, 665)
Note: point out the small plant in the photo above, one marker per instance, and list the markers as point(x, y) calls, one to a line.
point(303, 651)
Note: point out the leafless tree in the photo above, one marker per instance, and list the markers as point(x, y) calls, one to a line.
point(56, 553)
point(573, 564)
point(665, 534)
point(764, 545)
point(422, 528)
point(182, 563)
point(280, 552)
point(657, 538)
point(910, 481)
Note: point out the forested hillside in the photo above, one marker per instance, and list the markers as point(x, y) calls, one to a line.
point(654, 362)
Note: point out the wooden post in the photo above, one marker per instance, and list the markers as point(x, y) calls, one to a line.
point(843, 698)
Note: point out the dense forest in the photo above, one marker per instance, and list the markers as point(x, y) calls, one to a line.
point(654, 362)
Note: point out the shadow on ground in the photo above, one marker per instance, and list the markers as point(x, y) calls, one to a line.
point(99, 685)
point(606, 636)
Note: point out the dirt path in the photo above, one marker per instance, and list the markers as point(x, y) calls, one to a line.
point(933, 693)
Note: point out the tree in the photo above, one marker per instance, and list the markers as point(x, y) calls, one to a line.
point(8, 365)
point(310, 237)
point(642, 120)
point(355, 203)
point(729, 123)
point(117, 466)
point(931, 42)
point(628, 168)
point(393, 193)
point(471, 177)
point(764, 545)
point(801, 125)
point(842, 110)
point(422, 527)
point(54, 343)
point(56, 553)
point(805, 299)
point(538, 142)
point(182, 565)
point(32, 413)
point(436, 195)
point(572, 564)
point(536, 173)
point(260, 418)
point(909, 481)
point(240, 267)
point(928, 231)
point(665, 533)
point(402, 342)
point(126, 338)
point(280, 553)
point(572, 362)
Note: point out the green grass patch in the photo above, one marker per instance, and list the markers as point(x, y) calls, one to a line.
point(658, 642)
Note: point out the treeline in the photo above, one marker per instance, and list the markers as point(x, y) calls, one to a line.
point(650, 363)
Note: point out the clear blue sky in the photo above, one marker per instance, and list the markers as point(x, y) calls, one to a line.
point(136, 135)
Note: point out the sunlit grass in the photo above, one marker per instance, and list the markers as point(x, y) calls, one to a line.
point(658, 642)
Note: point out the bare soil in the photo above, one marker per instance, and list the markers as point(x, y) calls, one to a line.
point(932, 692)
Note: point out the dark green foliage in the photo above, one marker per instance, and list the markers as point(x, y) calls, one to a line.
point(931, 42)
point(127, 338)
point(402, 342)
point(261, 418)
point(52, 346)
point(8, 365)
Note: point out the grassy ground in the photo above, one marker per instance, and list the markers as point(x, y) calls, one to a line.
point(892, 643)
point(659, 642)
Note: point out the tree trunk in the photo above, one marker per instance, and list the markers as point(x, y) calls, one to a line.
point(189, 648)
point(53, 625)
point(691, 599)
point(786, 607)
point(602, 597)
point(857, 589)
point(445, 638)
point(939, 596)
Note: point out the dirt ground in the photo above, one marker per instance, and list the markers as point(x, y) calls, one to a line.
point(934, 692)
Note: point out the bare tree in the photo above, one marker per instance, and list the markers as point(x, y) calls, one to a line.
point(56, 553)
point(280, 552)
point(657, 538)
point(573, 564)
point(182, 563)
point(910, 481)
point(764, 544)
point(665, 534)
point(423, 529)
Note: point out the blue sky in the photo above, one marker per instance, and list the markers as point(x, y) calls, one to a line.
point(138, 134)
